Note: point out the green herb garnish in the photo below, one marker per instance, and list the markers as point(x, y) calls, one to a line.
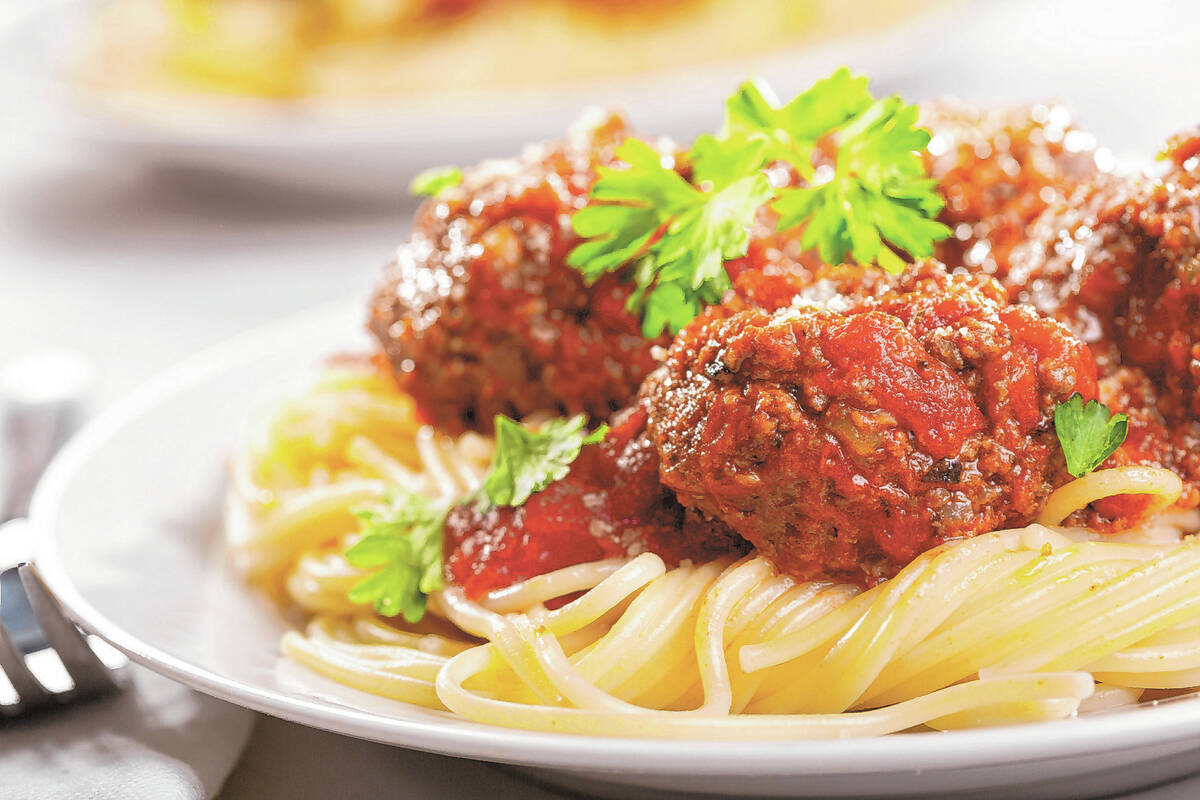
point(680, 235)
point(879, 198)
point(527, 461)
point(792, 131)
point(671, 236)
point(433, 182)
point(1089, 433)
point(404, 538)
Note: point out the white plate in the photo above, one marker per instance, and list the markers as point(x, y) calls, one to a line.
point(129, 534)
point(375, 150)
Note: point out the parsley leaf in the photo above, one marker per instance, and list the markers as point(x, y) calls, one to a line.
point(404, 537)
point(671, 237)
point(1089, 433)
point(677, 235)
point(528, 461)
point(433, 182)
point(879, 197)
point(792, 131)
point(718, 163)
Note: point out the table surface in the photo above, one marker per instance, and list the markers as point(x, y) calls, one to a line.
point(138, 267)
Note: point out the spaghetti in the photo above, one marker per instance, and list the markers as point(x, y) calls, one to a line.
point(1011, 626)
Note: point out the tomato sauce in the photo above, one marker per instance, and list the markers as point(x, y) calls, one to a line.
point(610, 505)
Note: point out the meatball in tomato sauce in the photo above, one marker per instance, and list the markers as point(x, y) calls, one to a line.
point(844, 437)
point(1120, 262)
point(997, 169)
point(480, 315)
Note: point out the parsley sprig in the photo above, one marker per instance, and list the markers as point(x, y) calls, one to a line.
point(671, 236)
point(791, 132)
point(527, 461)
point(1089, 433)
point(402, 538)
point(678, 234)
point(879, 198)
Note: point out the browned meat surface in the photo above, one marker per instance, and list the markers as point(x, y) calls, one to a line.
point(1121, 263)
point(845, 437)
point(480, 314)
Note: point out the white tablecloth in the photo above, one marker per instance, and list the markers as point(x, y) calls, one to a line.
point(157, 740)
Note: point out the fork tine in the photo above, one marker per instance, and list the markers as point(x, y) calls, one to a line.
point(88, 672)
point(29, 689)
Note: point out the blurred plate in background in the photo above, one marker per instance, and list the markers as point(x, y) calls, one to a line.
point(71, 80)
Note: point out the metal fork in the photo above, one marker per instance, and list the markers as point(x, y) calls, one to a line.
point(89, 675)
point(41, 399)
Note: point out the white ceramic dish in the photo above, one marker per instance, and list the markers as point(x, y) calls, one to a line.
point(128, 520)
point(375, 150)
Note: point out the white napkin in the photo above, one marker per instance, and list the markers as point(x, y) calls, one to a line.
point(157, 740)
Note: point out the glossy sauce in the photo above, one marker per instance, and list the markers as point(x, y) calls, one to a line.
point(610, 505)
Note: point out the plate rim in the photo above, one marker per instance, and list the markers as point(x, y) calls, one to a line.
point(1160, 724)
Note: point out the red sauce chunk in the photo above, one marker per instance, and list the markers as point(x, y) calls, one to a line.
point(920, 392)
point(610, 505)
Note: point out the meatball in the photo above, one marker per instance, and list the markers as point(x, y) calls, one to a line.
point(997, 170)
point(609, 505)
point(1120, 263)
point(480, 315)
point(843, 438)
